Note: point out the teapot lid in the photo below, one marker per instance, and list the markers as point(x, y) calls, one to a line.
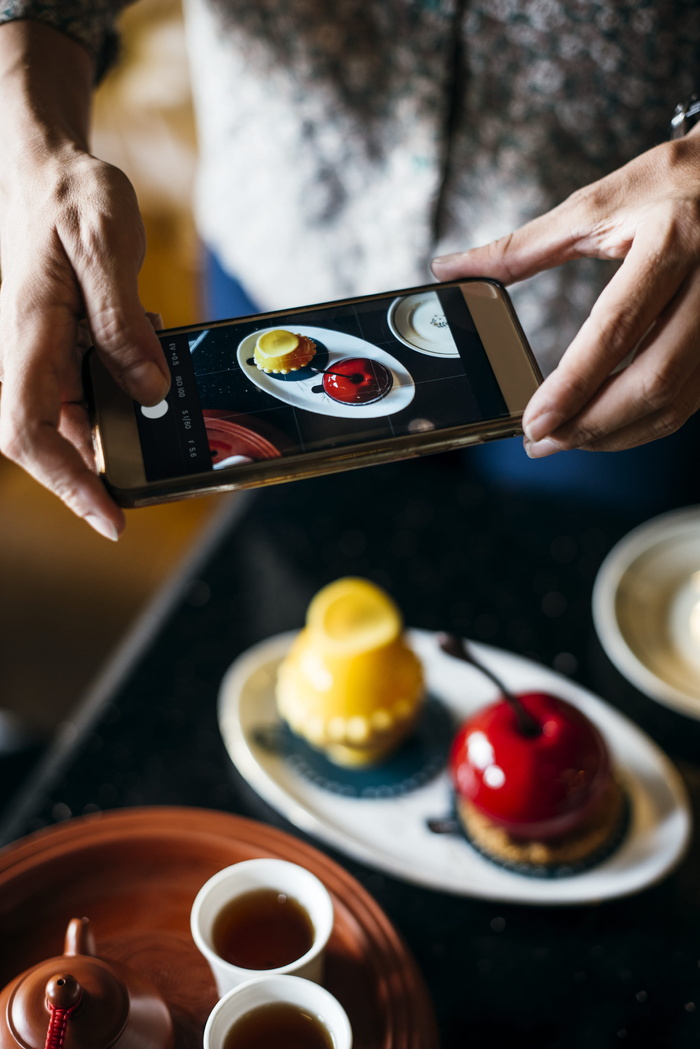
point(75, 1000)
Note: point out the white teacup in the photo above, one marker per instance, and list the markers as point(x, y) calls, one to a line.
point(267, 990)
point(247, 876)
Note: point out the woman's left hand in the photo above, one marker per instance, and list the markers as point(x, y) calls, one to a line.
point(648, 214)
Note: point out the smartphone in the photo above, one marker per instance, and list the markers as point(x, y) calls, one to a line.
point(300, 392)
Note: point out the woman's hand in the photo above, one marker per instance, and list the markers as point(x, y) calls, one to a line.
point(72, 243)
point(648, 214)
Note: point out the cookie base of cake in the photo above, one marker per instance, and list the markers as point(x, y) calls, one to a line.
point(570, 854)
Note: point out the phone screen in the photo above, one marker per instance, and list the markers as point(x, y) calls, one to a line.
point(325, 378)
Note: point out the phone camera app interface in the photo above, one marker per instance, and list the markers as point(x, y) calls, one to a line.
point(322, 378)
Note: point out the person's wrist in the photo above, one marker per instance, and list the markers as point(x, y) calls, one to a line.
point(46, 89)
point(33, 134)
point(37, 161)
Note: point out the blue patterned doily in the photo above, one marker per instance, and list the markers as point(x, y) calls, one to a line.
point(421, 757)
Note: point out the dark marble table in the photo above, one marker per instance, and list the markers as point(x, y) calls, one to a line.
point(514, 570)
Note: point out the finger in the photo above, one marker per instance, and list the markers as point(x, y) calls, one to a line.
point(650, 427)
point(30, 437)
point(518, 255)
point(84, 338)
point(580, 226)
point(40, 450)
point(75, 427)
point(126, 340)
point(108, 277)
point(640, 432)
point(549, 240)
point(650, 398)
point(625, 311)
point(156, 320)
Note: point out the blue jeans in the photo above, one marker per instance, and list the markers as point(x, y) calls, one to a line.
point(650, 479)
point(222, 295)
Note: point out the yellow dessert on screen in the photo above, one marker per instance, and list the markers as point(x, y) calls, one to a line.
point(350, 684)
point(282, 351)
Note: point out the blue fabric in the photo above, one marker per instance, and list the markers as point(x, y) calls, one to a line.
point(222, 295)
point(650, 479)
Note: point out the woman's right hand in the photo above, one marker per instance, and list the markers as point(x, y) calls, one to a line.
point(72, 244)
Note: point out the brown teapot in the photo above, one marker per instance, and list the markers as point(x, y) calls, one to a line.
point(79, 1001)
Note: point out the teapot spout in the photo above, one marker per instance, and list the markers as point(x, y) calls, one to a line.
point(79, 938)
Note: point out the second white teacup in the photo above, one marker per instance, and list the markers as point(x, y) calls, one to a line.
point(221, 896)
point(232, 1022)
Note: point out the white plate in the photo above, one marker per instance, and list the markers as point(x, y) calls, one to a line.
point(419, 322)
point(646, 608)
point(339, 344)
point(392, 834)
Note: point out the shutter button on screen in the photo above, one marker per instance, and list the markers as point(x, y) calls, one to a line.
point(156, 411)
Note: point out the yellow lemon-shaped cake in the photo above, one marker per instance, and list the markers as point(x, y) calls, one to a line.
point(282, 351)
point(350, 684)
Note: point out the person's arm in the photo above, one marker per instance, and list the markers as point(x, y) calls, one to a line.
point(71, 246)
point(647, 214)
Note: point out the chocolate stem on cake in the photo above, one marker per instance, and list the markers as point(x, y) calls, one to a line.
point(458, 648)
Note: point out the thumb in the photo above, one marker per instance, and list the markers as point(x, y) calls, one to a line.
point(124, 336)
point(122, 333)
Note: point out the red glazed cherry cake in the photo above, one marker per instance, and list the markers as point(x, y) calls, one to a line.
point(534, 785)
point(357, 380)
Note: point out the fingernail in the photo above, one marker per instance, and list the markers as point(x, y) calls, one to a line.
point(155, 319)
point(541, 426)
point(103, 526)
point(540, 449)
point(147, 382)
point(446, 258)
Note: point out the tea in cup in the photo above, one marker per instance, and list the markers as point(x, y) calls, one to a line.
point(270, 1011)
point(262, 915)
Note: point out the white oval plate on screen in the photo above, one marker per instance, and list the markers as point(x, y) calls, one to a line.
point(392, 834)
point(339, 345)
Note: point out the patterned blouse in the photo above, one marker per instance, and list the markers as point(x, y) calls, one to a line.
point(345, 142)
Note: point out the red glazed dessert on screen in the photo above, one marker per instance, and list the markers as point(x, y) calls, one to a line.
point(534, 785)
point(357, 380)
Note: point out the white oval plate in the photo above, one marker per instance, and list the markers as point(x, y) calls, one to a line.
point(339, 344)
point(392, 834)
point(646, 608)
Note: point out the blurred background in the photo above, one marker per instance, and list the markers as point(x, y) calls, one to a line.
point(69, 596)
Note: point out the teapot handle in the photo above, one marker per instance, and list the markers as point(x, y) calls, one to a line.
point(79, 938)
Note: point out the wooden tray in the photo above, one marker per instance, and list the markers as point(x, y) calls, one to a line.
point(135, 872)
